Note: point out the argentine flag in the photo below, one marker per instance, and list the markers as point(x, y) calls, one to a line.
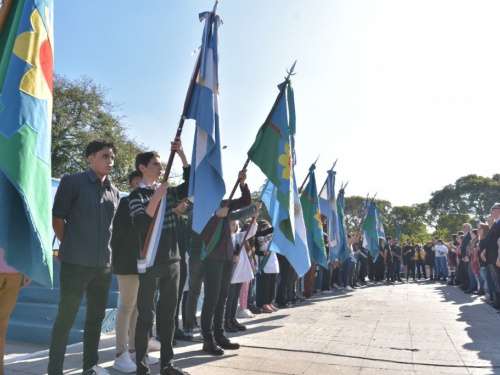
point(298, 254)
point(206, 183)
point(328, 207)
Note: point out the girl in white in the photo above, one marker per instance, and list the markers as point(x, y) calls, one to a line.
point(269, 266)
point(242, 272)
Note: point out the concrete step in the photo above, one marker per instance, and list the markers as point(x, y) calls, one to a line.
point(38, 330)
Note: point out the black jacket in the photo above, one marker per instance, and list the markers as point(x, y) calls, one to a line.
point(125, 242)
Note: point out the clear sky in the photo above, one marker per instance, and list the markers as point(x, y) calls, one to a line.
point(404, 93)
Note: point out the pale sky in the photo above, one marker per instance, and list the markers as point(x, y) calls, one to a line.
point(404, 93)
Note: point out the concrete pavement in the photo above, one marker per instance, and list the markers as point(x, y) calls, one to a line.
point(416, 328)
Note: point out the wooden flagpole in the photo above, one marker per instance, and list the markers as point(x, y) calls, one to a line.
point(178, 133)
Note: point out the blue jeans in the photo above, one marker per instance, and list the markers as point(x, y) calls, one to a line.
point(432, 270)
point(346, 269)
point(396, 269)
point(441, 267)
point(75, 281)
point(472, 278)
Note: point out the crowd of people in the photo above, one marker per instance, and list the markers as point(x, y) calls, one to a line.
point(161, 277)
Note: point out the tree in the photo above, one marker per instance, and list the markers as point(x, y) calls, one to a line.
point(355, 210)
point(82, 113)
point(470, 196)
point(411, 220)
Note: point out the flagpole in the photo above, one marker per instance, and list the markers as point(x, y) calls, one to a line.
point(246, 236)
point(178, 133)
point(278, 98)
point(326, 180)
point(307, 177)
point(4, 12)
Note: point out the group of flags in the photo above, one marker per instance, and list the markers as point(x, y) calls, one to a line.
point(26, 63)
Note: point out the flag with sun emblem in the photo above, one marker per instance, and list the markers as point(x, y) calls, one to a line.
point(26, 68)
point(312, 219)
point(272, 153)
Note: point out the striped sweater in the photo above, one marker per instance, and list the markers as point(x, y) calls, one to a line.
point(168, 250)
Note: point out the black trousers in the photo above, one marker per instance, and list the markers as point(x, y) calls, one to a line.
point(182, 281)
point(410, 267)
point(370, 268)
point(362, 267)
point(75, 282)
point(379, 268)
point(266, 285)
point(216, 278)
point(285, 273)
point(421, 268)
point(165, 279)
point(232, 301)
point(195, 266)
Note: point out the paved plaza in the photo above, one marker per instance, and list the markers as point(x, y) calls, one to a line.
point(416, 328)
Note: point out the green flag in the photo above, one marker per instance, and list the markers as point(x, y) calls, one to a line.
point(312, 219)
point(272, 153)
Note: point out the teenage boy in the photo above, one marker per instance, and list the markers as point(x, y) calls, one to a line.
point(163, 271)
point(83, 211)
point(126, 250)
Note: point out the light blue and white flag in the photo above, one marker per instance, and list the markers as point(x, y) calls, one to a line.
point(298, 253)
point(206, 181)
point(328, 206)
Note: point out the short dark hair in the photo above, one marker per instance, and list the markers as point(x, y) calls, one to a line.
point(97, 145)
point(460, 233)
point(144, 158)
point(133, 175)
point(388, 238)
point(454, 236)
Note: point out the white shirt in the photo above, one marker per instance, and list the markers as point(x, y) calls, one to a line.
point(242, 271)
point(440, 250)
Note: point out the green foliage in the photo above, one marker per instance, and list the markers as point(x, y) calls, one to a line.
point(469, 198)
point(81, 113)
point(411, 220)
point(355, 211)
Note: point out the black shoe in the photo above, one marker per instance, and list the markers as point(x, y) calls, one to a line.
point(238, 326)
point(211, 347)
point(174, 342)
point(229, 327)
point(283, 306)
point(254, 309)
point(173, 370)
point(225, 343)
point(468, 291)
point(180, 335)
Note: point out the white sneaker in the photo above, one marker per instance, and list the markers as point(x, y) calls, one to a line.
point(125, 364)
point(96, 370)
point(242, 314)
point(348, 288)
point(151, 360)
point(154, 345)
